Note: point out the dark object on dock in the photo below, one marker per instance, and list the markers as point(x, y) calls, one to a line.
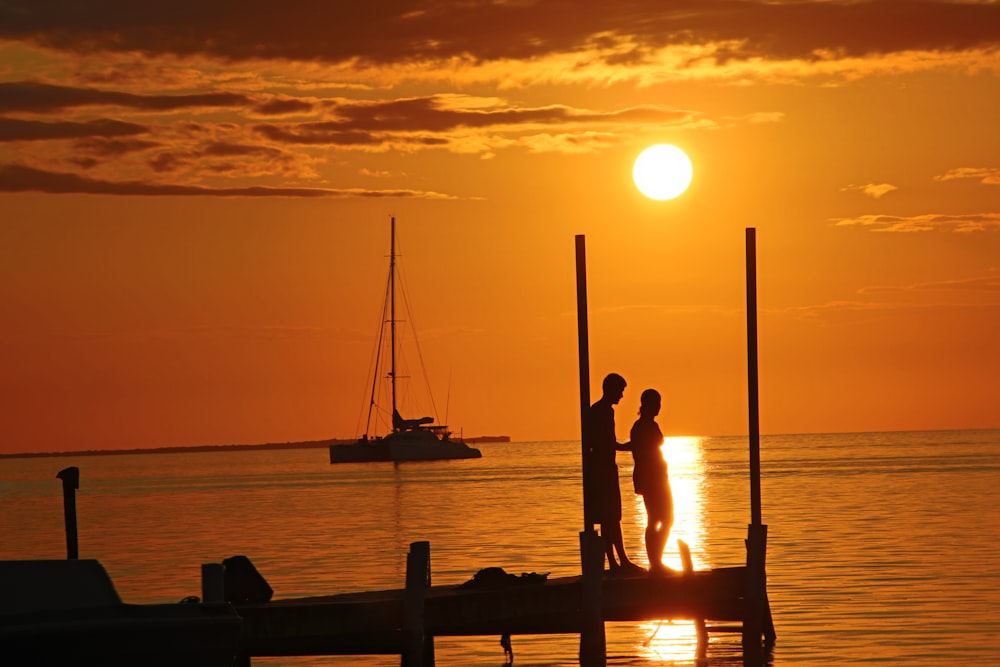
point(492, 578)
point(243, 583)
point(67, 612)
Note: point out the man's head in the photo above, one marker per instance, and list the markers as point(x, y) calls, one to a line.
point(613, 387)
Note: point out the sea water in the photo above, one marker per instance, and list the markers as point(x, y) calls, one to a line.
point(882, 547)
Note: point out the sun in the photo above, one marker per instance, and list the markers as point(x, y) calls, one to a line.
point(662, 172)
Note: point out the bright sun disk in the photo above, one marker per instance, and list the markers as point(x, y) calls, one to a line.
point(662, 172)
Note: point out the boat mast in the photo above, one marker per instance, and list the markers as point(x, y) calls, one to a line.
point(392, 315)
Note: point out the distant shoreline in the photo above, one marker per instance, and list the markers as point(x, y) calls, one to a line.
point(307, 444)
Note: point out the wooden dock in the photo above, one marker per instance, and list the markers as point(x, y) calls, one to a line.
point(405, 621)
point(374, 622)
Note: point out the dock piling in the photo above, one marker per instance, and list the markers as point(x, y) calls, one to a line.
point(757, 617)
point(418, 650)
point(593, 643)
point(70, 482)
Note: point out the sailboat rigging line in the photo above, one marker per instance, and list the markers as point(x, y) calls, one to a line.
point(416, 344)
point(373, 366)
point(447, 400)
point(392, 311)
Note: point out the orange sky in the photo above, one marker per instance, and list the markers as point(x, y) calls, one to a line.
point(194, 213)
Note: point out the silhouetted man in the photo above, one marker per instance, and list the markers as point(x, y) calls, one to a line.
point(605, 492)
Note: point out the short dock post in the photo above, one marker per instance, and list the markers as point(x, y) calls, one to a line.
point(213, 583)
point(71, 482)
point(757, 615)
point(418, 649)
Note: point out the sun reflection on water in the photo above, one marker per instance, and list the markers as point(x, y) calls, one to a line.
point(669, 641)
point(672, 640)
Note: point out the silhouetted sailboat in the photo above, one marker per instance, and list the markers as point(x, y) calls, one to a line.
point(415, 439)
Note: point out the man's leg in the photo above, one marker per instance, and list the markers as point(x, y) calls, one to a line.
point(607, 532)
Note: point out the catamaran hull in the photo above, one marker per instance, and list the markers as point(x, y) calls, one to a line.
point(402, 449)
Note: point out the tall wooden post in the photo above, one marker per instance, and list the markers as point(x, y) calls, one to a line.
point(752, 383)
point(593, 643)
point(70, 482)
point(757, 615)
point(583, 339)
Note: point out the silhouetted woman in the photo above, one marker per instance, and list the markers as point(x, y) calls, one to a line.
point(650, 478)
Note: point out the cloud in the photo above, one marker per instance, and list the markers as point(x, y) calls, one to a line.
point(106, 148)
point(946, 298)
point(29, 96)
point(569, 143)
point(434, 120)
point(981, 284)
point(322, 134)
point(219, 332)
point(375, 173)
point(762, 117)
point(842, 312)
point(14, 129)
point(283, 105)
point(987, 176)
point(395, 32)
point(228, 159)
point(16, 178)
point(442, 113)
point(971, 222)
point(873, 190)
point(943, 298)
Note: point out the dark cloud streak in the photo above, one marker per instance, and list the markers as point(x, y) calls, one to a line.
point(14, 129)
point(30, 96)
point(17, 178)
point(105, 148)
point(278, 107)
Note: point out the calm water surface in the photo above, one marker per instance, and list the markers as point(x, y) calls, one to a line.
point(882, 546)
